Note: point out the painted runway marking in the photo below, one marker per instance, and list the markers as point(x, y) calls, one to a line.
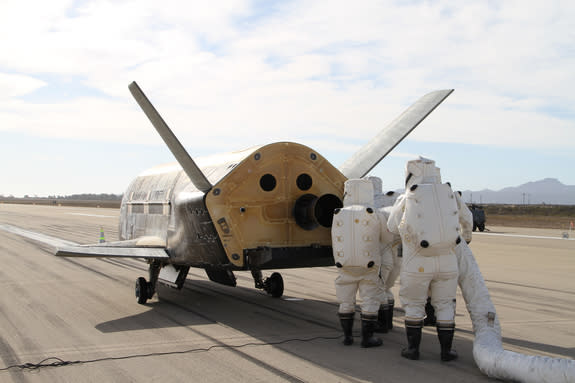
point(93, 215)
point(525, 236)
point(52, 241)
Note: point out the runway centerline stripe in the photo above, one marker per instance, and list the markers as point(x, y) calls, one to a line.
point(524, 236)
point(93, 215)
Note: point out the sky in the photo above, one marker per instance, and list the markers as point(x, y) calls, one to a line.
point(232, 74)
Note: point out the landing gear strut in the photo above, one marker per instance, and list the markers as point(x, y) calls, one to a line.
point(274, 285)
point(144, 289)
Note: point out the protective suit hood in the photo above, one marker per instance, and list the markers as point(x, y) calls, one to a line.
point(358, 192)
point(378, 196)
point(421, 171)
point(377, 184)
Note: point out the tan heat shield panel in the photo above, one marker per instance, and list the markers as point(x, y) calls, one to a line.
point(254, 204)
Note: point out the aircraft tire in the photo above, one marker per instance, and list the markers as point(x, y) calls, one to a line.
point(142, 290)
point(274, 285)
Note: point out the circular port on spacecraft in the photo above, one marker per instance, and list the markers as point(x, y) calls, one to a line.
point(304, 181)
point(311, 211)
point(325, 207)
point(268, 182)
point(304, 212)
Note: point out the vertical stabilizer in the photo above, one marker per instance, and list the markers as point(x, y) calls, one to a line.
point(192, 170)
point(369, 155)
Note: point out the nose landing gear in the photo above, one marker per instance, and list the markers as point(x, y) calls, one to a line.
point(274, 285)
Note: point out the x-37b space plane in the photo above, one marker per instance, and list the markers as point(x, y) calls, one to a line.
point(267, 207)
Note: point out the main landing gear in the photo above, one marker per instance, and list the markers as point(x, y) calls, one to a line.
point(144, 289)
point(274, 285)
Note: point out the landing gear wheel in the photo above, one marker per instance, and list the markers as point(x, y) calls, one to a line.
point(274, 285)
point(142, 290)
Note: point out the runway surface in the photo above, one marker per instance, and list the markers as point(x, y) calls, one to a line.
point(85, 311)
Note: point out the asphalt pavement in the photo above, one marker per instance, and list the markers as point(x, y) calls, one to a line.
point(84, 312)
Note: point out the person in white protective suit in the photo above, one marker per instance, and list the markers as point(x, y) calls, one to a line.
point(466, 222)
point(426, 217)
point(358, 232)
point(465, 219)
point(391, 263)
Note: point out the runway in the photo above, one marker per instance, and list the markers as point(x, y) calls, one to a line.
point(85, 311)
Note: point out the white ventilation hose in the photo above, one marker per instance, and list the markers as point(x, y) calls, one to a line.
point(488, 350)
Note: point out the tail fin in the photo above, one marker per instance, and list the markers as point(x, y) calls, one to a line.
point(366, 158)
point(192, 170)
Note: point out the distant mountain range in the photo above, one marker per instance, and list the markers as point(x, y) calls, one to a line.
point(547, 191)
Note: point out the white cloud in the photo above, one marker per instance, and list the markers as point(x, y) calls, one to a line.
point(491, 125)
point(340, 70)
point(15, 85)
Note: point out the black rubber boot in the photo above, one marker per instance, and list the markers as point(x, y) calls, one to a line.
point(445, 335)
point(368, 323)
point(430, 319)
point(346, 320)
point(390, 316)
point(413, 332)
point(382, 316)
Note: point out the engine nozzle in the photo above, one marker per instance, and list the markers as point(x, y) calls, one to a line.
point(311, 211)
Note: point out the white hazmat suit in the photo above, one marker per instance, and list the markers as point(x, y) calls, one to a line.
point(391, 277)
point(465, 219)
point(426, 216)
point(391, 255)
point(358, 231)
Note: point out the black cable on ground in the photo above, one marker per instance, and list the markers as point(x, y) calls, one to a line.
point(57, 362)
